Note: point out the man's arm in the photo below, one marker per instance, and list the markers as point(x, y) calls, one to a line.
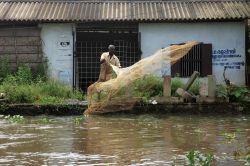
point(102, 59)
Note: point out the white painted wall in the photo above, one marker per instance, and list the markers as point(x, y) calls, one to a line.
point(58, 48)
point(226, 36)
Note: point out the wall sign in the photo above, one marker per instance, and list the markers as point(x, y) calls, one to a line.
point(64, 43)
point(228, 58)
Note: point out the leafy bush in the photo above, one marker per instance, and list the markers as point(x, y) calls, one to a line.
point(235, 93)
point(147, 87)
point(176, 83)
point(24, 75)
point(238, 93)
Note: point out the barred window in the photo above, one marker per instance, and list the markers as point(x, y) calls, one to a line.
point(199, 58)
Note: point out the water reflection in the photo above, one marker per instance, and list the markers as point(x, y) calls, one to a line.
point(122, 140)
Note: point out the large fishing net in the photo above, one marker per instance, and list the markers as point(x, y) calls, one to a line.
point(113, 95)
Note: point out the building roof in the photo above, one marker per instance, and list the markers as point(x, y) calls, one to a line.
point(139, 11)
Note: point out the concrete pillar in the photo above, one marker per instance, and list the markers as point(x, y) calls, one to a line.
point(167, 86)
point(211, 86)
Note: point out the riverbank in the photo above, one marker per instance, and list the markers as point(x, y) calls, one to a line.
point(42, 109)
point(139, 108)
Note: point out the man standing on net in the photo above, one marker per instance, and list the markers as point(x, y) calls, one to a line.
point(108, 58)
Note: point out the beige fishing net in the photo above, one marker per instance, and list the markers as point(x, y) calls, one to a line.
point(107, 97)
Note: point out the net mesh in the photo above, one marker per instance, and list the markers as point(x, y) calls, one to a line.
point(107, 97)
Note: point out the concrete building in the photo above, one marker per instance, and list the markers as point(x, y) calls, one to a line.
point(73, 34)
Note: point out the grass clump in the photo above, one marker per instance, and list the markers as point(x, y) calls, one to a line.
point(176, 83)
point(25, 87)
point(148, 87)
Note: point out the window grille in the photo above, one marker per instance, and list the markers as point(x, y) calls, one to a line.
point(199, 58)
point(88, 55)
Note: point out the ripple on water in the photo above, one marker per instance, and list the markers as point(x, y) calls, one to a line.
point(129, 140)
point(67, 158)
point(17, 136)
point(11, 144)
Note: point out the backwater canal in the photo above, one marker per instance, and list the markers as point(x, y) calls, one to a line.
point(124, 139)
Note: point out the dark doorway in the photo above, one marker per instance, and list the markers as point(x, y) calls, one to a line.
point(91, 42)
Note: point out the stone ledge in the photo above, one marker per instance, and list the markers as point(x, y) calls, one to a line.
point(48, 109)
point(139, 108)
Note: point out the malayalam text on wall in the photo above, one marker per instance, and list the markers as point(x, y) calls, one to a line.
point(228, 58)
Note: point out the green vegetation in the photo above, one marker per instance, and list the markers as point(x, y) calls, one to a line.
point(195, 88)
point(151, 86)
point(45, 120)
point(78, 120)
point(4, 68)
point(229, 137)
point(15, 119)
point(148, 87)
point(234, 93)
point(23, 86)
point(241, 153)
point(238, 93)
point(196, 158)
point(176, 83)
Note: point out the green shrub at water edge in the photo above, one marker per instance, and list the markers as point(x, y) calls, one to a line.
point(56, 89)
point(22, 87)
point(46, 93)
point(147, 87)
point(44, 99)
point(238, 93)
point(19, 93)
point(235, 93)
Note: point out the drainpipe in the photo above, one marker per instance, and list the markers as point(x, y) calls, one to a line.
point(74, 53)
point(247, 58)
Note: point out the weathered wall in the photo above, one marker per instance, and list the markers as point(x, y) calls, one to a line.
point(227, 38)
point(58, 48)
point(21, 45)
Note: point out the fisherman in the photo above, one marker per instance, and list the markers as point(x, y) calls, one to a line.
point(108, 58)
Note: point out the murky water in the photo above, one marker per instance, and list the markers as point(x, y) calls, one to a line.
point(123, 140)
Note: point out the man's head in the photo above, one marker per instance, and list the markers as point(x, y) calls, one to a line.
point(111, 49)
